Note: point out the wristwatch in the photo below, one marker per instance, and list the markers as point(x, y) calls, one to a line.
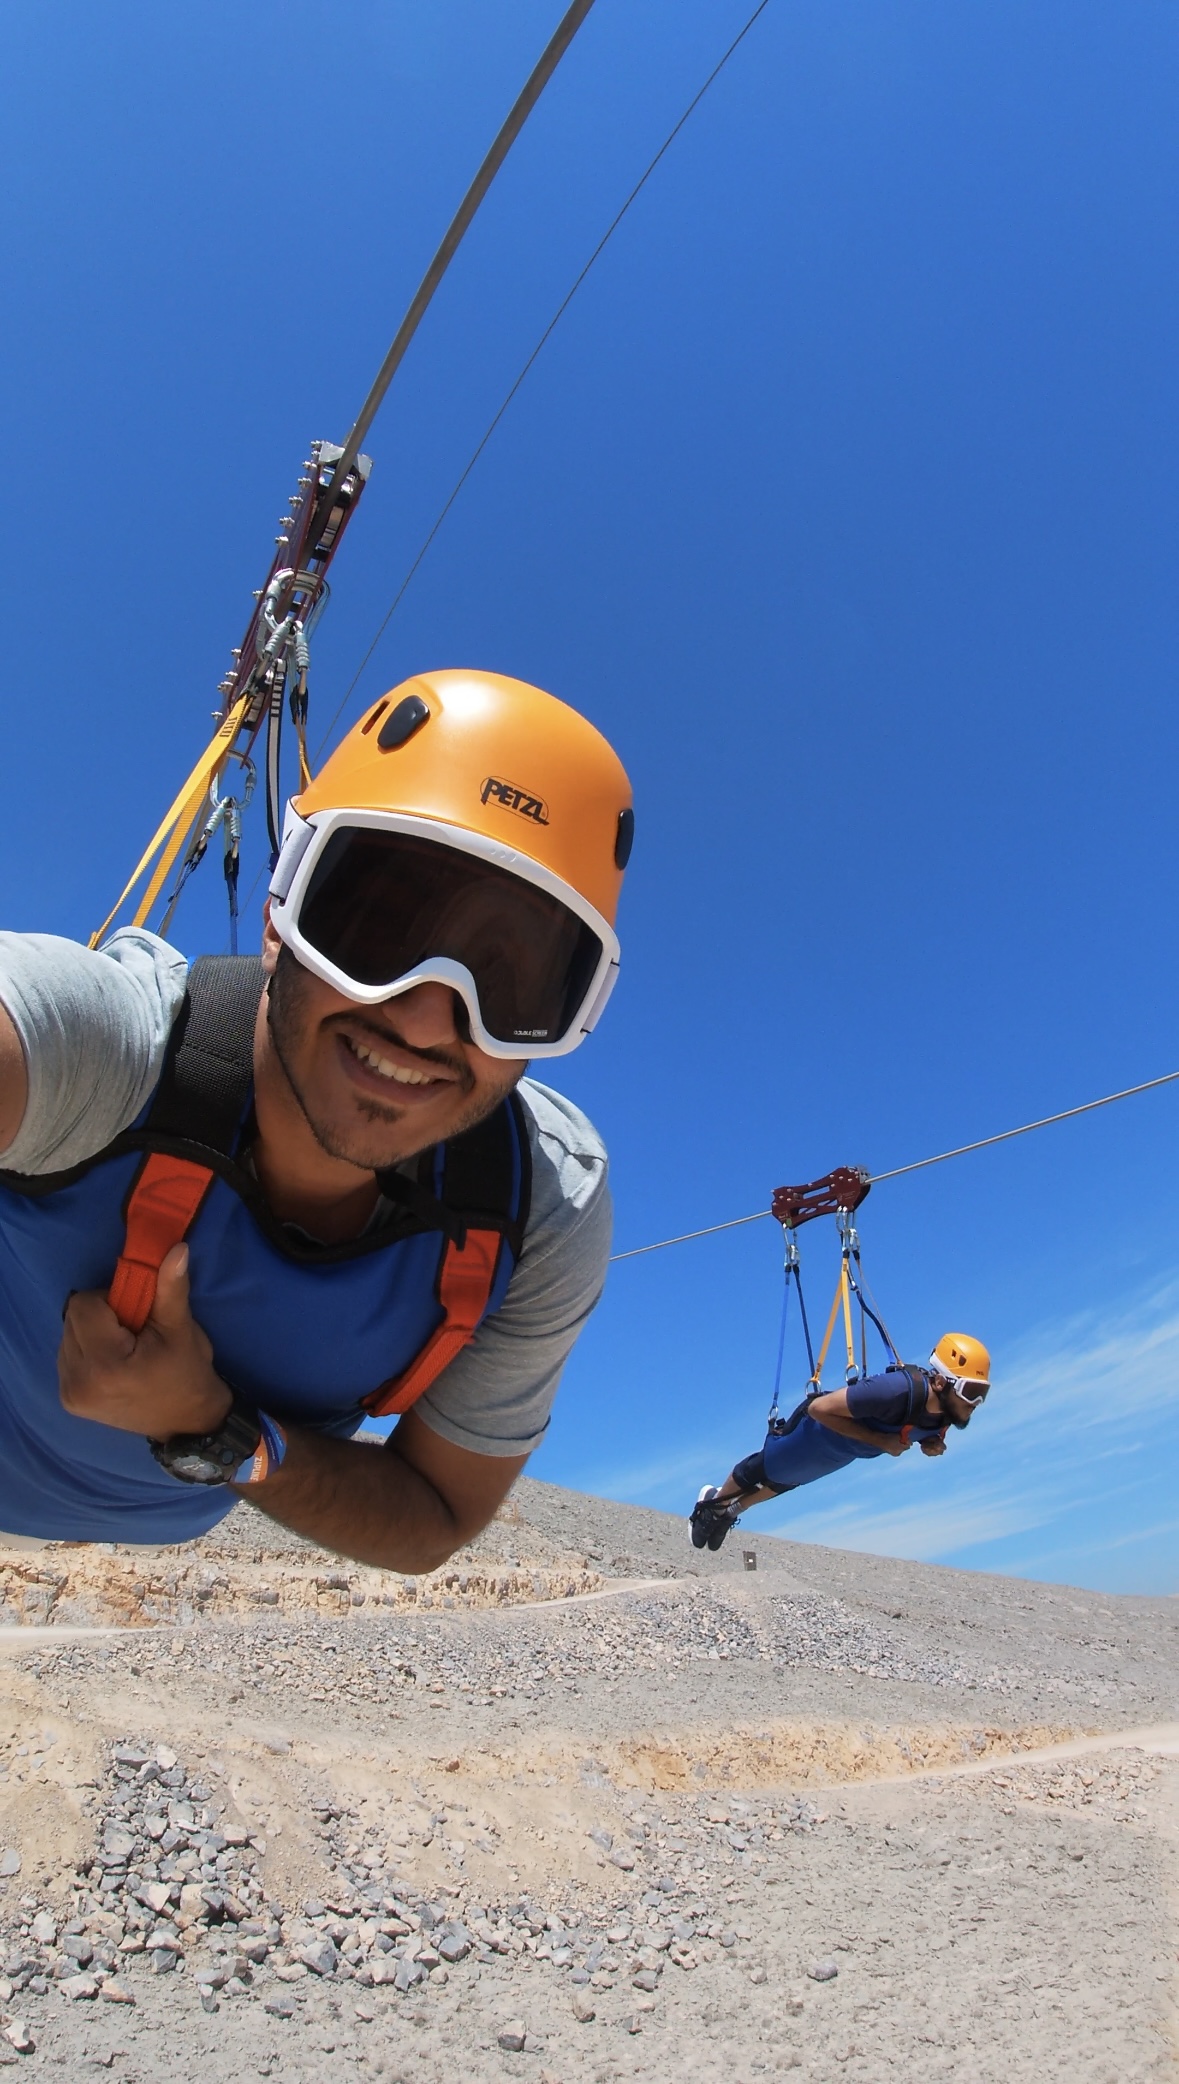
point(213, 1457)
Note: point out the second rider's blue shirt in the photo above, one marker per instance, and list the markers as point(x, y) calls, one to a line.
point(811, 1450)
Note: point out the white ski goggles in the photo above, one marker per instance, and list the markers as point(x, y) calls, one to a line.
point(970, 1388)
point(376, 902)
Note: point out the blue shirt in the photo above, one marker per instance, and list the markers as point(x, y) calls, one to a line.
point(811, 1450)
point(881, 1402)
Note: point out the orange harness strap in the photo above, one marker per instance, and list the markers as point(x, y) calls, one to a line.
point(163, 1204)
point(465, 1282)
point(161, 1207)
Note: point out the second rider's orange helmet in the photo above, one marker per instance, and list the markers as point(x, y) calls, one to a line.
point(471, 830)
point(965, 1362)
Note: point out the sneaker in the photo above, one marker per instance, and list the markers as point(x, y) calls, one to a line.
point(703, 1517)
point(724, 1519)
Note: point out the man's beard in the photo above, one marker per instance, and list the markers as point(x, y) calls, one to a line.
point(289, 1025)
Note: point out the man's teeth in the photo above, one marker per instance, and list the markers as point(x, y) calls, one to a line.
point(398, 1072)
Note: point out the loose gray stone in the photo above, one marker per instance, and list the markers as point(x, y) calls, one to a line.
point(78, 1986)
point(823, 1971)
point(319, 1956)
point(513, 2036)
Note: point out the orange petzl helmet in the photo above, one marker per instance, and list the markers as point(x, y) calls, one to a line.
point(497, 757)
point(535, 805)
point(962, 1358)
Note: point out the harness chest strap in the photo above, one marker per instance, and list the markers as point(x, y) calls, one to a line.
point(465, 1281)
point(163, 1204)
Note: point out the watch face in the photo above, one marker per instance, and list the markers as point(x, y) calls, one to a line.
point(196, 1468)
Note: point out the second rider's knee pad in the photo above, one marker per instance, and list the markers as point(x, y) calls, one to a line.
point(751, 1474)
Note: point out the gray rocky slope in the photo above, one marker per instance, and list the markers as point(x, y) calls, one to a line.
point(586, 1805)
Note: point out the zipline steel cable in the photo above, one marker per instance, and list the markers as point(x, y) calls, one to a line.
point(382, 381)
point(960, 1150)
point(251, 692)
point(430, 283)
point(509, 131)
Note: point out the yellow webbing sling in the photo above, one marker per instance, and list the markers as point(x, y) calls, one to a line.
point(176, 825)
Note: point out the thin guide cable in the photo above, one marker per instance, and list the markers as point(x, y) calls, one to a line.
point(1026, 1128)
point(960, 1150)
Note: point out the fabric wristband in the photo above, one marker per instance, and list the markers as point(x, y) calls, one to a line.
point(269, 1454)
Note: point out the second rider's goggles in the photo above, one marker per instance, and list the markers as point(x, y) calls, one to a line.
point(374, 902)
point(971, 1388)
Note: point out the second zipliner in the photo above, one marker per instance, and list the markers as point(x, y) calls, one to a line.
point(903, 1405)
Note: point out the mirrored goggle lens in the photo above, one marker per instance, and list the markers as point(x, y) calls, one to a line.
point(380, 903)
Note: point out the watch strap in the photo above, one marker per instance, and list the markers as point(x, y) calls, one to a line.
point(268, 1455)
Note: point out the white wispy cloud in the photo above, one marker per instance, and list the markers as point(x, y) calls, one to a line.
point(644, 1481)
point(1072, 1447)
point(920, 1530)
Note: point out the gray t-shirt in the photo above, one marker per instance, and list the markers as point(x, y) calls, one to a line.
point(94, 1027)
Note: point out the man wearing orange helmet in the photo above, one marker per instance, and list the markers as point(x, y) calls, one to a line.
point(882, 1414)
point(272, 1199)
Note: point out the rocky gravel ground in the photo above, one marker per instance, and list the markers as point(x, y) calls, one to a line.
point(830, 1816)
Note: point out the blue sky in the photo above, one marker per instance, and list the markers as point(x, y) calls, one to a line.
point(843, 500)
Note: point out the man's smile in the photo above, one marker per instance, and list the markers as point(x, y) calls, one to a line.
point(376, 1060)
point(401, 1074)
point(377, 1084)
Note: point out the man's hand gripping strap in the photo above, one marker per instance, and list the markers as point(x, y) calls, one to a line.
point(163, 1203)
point(465, 1282)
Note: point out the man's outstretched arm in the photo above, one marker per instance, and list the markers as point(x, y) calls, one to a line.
point(831, 1410)
point(404, 1506)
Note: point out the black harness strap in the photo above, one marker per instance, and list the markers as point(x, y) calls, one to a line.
point(204, 1088)
point(478, 1172)
point(918, 1382)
